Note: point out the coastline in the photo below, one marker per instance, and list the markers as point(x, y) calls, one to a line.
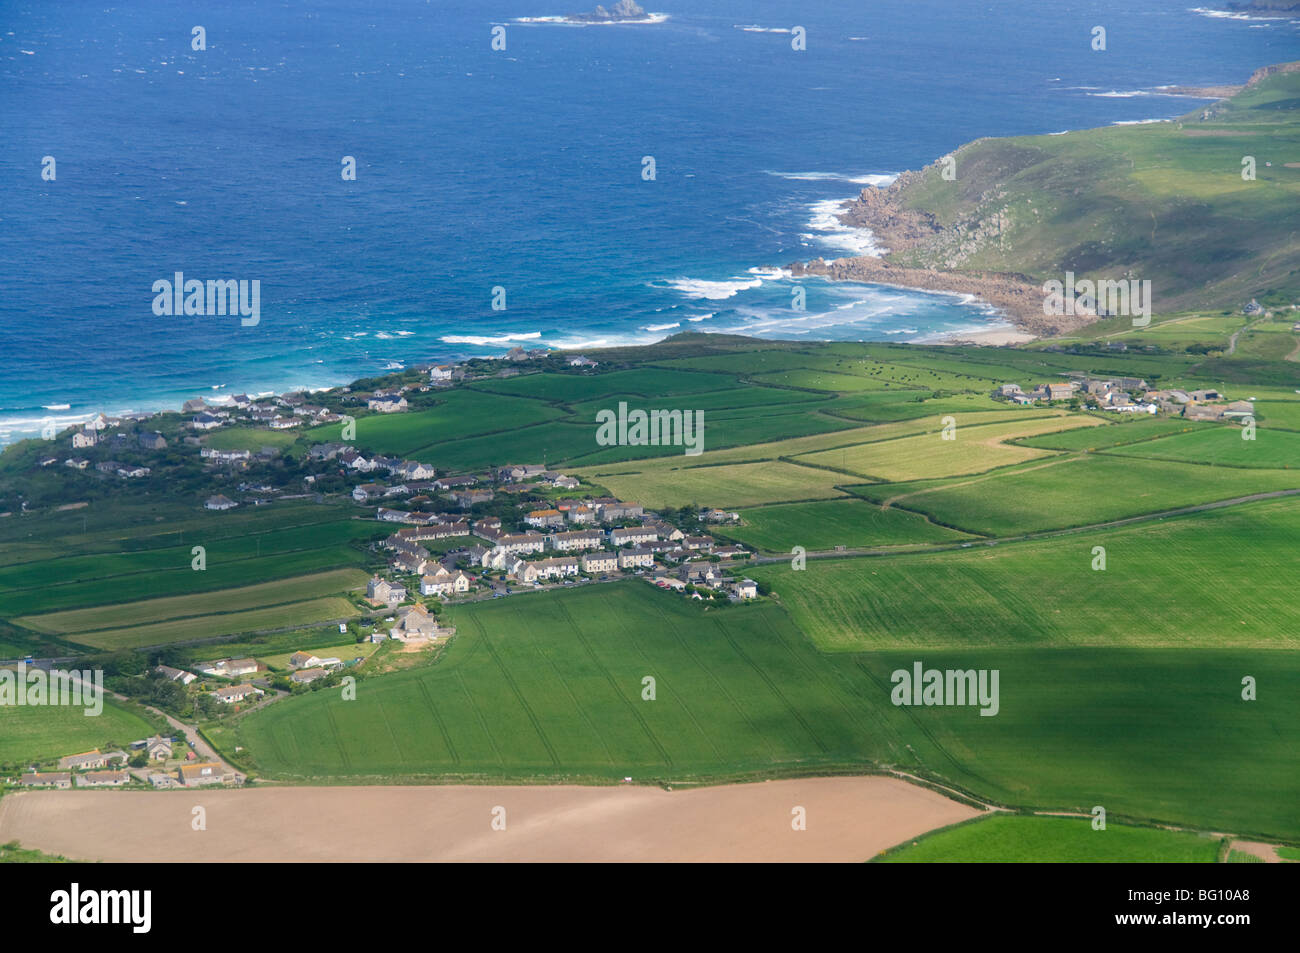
point(891, 226)
point(895, 227)
point(1016, 297)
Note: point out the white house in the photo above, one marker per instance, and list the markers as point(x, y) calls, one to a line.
point(236, 693)
point(635, 558)
point(599, 562)
point(387, 403)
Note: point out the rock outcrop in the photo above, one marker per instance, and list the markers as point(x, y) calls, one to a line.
point(623, 10)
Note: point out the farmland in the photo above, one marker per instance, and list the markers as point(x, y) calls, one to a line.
point(825, 525)
point(154, 557)
point(177, 607)
point(1224, 446)
point(289, 615)
point(1124, 683)
point(1046, 592)
point(1118, 434)
point(1010, 839)
point(552, 691)
point(970, 451)
point(464, 413)
point(550, 687)
point(39, 734)
point(1074, 491)
point(746, 484)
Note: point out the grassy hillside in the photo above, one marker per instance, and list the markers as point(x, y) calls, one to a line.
point(1161, 201)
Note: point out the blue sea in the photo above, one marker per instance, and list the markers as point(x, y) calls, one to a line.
point(519, 169)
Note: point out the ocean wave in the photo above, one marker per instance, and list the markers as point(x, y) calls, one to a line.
point(755, 28)
point(662, 327)
point(489, 341)
point(701, 317)
point(648, 19)
point(1137, 122)
point(1237, 15)
point(831, 231)
point(56, 406)
point(712, 290)
point(23, 426)
point(879, 179)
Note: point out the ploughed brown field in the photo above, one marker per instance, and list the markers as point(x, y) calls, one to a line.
point(848, 819)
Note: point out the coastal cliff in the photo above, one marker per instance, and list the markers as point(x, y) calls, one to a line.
point(1204, 207)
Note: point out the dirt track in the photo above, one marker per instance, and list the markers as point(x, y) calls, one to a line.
point(848, 819)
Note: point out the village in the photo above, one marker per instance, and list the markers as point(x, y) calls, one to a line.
point(158, 762)
point(562, 541)
point(1130, 395)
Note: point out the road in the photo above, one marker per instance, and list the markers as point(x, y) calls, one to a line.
point(201, 748)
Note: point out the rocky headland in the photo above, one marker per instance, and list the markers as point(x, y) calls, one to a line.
point(899, 228)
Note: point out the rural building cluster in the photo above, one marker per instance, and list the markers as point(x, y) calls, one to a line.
point(1130, 395)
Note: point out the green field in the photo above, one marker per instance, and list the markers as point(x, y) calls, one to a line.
point(972, 450)
point(1120, 432)
point(550, 688)
point(1278, 414)
point(849, 376)
point(747, 484)
point(1224, 446)
point(789, 447)
point(179, 607)
point(68, 582)
point(250, 438)
point(47, 733)
point(819, 526)
point(1074, 491)
point(289, 615)
point(619, 385)
point(1201, 583)
point(462, 413)
point(1013, 839)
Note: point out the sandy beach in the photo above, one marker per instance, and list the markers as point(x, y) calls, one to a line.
point(847, 820)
